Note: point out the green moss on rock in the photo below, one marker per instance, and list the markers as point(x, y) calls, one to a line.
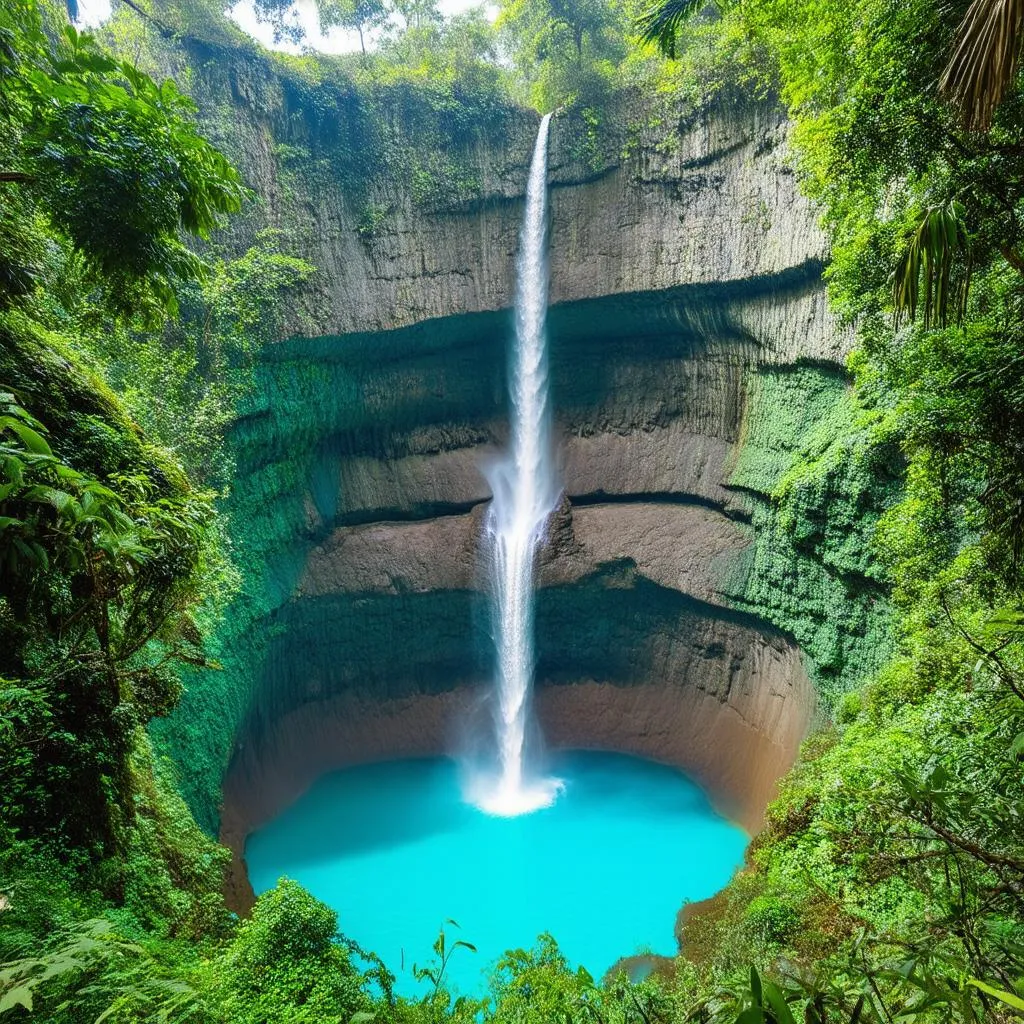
point(820, 468)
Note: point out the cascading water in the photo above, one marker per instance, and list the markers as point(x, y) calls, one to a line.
point(548, 865)
point(525, 493)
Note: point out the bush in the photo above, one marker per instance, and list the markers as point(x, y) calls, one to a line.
point(285, 965)
point(769, 920)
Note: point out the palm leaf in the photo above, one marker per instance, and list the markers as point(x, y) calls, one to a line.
point(659, 22)
point(938, 253)
point(984, 61)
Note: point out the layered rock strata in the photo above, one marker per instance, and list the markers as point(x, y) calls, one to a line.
point(677, 273)
point(381, 648)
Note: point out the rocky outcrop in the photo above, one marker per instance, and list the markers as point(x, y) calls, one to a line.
point(625, 665)
point(679, 274)
point(676, 546)
point(411, 214)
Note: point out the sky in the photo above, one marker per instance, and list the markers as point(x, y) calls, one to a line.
point(337, 40)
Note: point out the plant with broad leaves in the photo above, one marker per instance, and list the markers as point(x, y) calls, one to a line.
point(96, 594)
point(96, 975)
point(108, 157)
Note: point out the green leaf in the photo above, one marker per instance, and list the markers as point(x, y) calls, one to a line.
point(31, 439)
point(779, 1007)
point(60, 500)
point(1004, 997)
point(755, 987)
point(20, 996)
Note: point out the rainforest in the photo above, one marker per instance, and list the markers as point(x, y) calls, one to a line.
point(511, 513)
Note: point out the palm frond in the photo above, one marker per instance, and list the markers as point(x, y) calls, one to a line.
point(659, 22)
point(984, 61)
point(939, 253)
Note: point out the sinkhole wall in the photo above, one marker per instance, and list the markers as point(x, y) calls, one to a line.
point(706, 585)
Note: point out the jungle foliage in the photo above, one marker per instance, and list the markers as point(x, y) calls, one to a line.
point(113, 560)
point(542, 53)
point(105, 541)
point(889, 882)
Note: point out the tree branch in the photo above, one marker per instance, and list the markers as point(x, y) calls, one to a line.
point(1013, 258)
point(993, 860)
point(166, 32)
point(1004, 673)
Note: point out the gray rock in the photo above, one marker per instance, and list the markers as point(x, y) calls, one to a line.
point(676, 272)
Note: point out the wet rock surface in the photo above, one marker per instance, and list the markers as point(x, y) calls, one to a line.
point(677, 272)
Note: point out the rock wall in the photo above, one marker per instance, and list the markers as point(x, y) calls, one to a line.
point(681, 274)
point(668, 196)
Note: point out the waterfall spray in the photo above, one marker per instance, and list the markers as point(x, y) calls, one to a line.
point(525, 492)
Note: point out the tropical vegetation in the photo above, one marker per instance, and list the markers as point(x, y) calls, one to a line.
point(889, 882)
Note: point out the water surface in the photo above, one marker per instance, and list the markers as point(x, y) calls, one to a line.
point(395, 850)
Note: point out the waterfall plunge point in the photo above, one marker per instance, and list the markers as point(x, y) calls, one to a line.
point(525, 493)
point(416, 822)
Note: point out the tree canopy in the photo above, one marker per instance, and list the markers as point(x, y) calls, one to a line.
point(108, 157)
point(887, 885)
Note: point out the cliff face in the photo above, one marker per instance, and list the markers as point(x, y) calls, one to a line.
point(686, 290)
point(411, 210)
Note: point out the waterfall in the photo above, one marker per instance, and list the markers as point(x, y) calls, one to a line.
point(525, 493)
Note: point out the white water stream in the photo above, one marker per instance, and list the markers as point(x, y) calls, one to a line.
point(525, 490)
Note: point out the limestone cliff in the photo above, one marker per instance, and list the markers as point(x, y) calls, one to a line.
point(686, 289)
